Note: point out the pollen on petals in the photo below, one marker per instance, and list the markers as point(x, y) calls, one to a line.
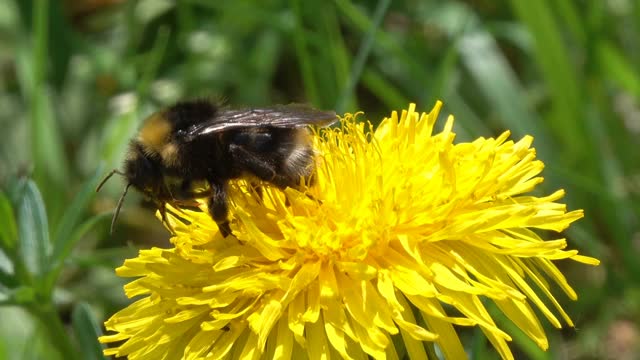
point(402, 234)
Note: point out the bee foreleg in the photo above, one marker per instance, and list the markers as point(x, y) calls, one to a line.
point(218, 207)
point(162, 207)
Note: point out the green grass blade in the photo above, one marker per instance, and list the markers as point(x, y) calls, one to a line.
point(359, 21)
point(525, 344)
point(33, 229)
point(152, 61)
point(497, 82)
point(469, 124)
point(60, 34)
point(619, 214)
point(50, 164)
point(302, 53)
point(117, 134)
point(87, 331)
point(559, 72)
point(49, 161)
point(338, 55)
point(362, 55)
point(73, 213)
point(65, 248)
point(615, 67)
point(262, 60)
point(570, 17)
point(121, 126)
point(501, 88)
point(8, 230)
point(387, 92)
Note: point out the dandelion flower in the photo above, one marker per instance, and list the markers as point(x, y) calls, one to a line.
point(403, 237)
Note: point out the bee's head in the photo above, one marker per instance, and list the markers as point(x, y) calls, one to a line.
point(143, 171)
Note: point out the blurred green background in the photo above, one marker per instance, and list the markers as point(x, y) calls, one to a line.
point(78, 76)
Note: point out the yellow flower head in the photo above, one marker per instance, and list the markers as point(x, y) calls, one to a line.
point(402, 235)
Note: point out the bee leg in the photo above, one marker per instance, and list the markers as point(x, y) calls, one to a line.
point(163, 213)
point(260, 168)
point(218, 207)
point(264, 170)
point(257, 187)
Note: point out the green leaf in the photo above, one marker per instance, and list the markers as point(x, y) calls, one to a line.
point(14, 190)
point(105, 258)
point(65, 249)
point(22, 295)
point(87, 332)
point(34, 245)
point(7, 280)
point(69, 232)
point(72, 215)
point(8, 230)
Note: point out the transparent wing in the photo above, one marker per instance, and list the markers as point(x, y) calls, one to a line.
point(286, 116)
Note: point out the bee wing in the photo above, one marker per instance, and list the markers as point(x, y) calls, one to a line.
point(286, 116)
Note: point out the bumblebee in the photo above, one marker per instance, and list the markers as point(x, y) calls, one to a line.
point(196, 142)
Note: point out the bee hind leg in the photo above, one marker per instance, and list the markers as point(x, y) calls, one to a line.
point(262, 169)
point(267, 172)
point(219, 208)
point(255, 186)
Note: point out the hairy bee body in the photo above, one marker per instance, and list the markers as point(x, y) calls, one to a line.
point(196, 141)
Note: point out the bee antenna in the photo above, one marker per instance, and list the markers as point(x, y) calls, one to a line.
point(119, 206)
point(107, 177)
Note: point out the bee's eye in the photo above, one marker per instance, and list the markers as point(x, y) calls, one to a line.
point(181, 132)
